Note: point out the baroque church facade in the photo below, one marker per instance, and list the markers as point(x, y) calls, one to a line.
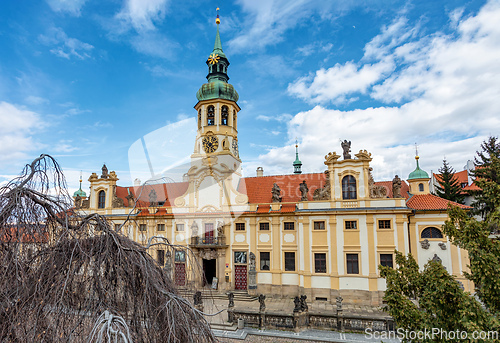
point(320, 234)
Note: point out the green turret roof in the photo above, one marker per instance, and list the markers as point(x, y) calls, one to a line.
point(418, 173)
point(218, 45)
point(80, 192)
point(217, 86)
point(297, 164)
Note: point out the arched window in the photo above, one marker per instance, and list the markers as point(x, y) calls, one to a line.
point(349, 187)
point(420, 187)
point(234, 119)
point(431, 232)
point(224, 115)
point(210, 115)
point(199, 119)
point(101, 199)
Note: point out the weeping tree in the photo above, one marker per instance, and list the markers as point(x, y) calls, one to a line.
point(63, 275)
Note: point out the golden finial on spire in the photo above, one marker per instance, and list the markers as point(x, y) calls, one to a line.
point(416, 152)
point(217, 20)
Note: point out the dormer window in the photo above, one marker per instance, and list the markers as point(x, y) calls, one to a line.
point(210, 116)
point(349, 187)
point(224, 115)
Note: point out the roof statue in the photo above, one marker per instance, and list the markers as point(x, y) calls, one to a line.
point(346, 146)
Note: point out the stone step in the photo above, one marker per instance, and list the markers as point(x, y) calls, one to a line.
point(208, 294)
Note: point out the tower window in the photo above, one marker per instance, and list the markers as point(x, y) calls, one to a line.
point(349, 187)
point(199, 119)
point(420, 187)
point(224, 115)
point(211, 116)
point(101, 200)
point(234, 119)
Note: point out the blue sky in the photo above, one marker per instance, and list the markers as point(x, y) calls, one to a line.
point(83, 80)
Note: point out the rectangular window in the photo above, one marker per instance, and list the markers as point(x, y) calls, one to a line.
point(179, 227)
point(289, 226)
point(319, 225)
point(142, 227)
point(264, 226)
point(160, 227)
point(320, 263)
point(180, 256)
point(240, 257)
point(352, 264)
point(265, 260)
point(290, 261)
point(386, 260)
point(240, 226)
point(384, 224)
point(160, 257)
point(351, 225)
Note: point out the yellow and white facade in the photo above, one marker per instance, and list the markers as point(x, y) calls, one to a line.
point(269, 234)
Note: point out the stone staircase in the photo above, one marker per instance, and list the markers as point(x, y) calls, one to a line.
point(211, 294)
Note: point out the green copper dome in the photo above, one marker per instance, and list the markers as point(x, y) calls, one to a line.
point(80, 193)
point(217, 90)
point(418, 173)
point(217, 86)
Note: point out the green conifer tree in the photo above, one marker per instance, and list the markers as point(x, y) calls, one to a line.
point(449, 187)
point(431, 298)
point(487, 178)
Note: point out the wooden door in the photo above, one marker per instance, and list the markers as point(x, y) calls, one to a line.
point(180, 274)
point(240, 277)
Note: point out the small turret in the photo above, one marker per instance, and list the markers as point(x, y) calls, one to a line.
point(418, 179)
point(297, 165)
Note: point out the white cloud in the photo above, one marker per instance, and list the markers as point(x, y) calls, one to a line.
point(141, 14)
point(71, 6)
point(64, 46)
point(267, 21)
point(36, 100)
point(443, 93)
point(16, 127)
point(280, 118)
point(335, 83)
point(154, 44)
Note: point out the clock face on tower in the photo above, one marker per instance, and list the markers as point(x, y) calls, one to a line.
point(210, 144)
point(234, 145)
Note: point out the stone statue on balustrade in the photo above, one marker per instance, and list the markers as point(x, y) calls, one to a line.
point(396, 187)
point(276, 193)
point(303, 190)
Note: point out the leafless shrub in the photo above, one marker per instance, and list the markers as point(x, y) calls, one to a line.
point(59, 272)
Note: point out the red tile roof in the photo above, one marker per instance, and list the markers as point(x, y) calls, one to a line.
point(166, 192)
point(259, 189)
point(23, 235)
point(462, 177)
point(263, 208)
point(388, 185)
point(431, 202)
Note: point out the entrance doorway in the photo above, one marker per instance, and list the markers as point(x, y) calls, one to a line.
point(240, 276)
point(209, 271)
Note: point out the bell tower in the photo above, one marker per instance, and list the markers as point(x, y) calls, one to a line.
point(217, 108)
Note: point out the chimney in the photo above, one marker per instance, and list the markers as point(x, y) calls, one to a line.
point(185, 177)
point(137, 182)
point(260, 171)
